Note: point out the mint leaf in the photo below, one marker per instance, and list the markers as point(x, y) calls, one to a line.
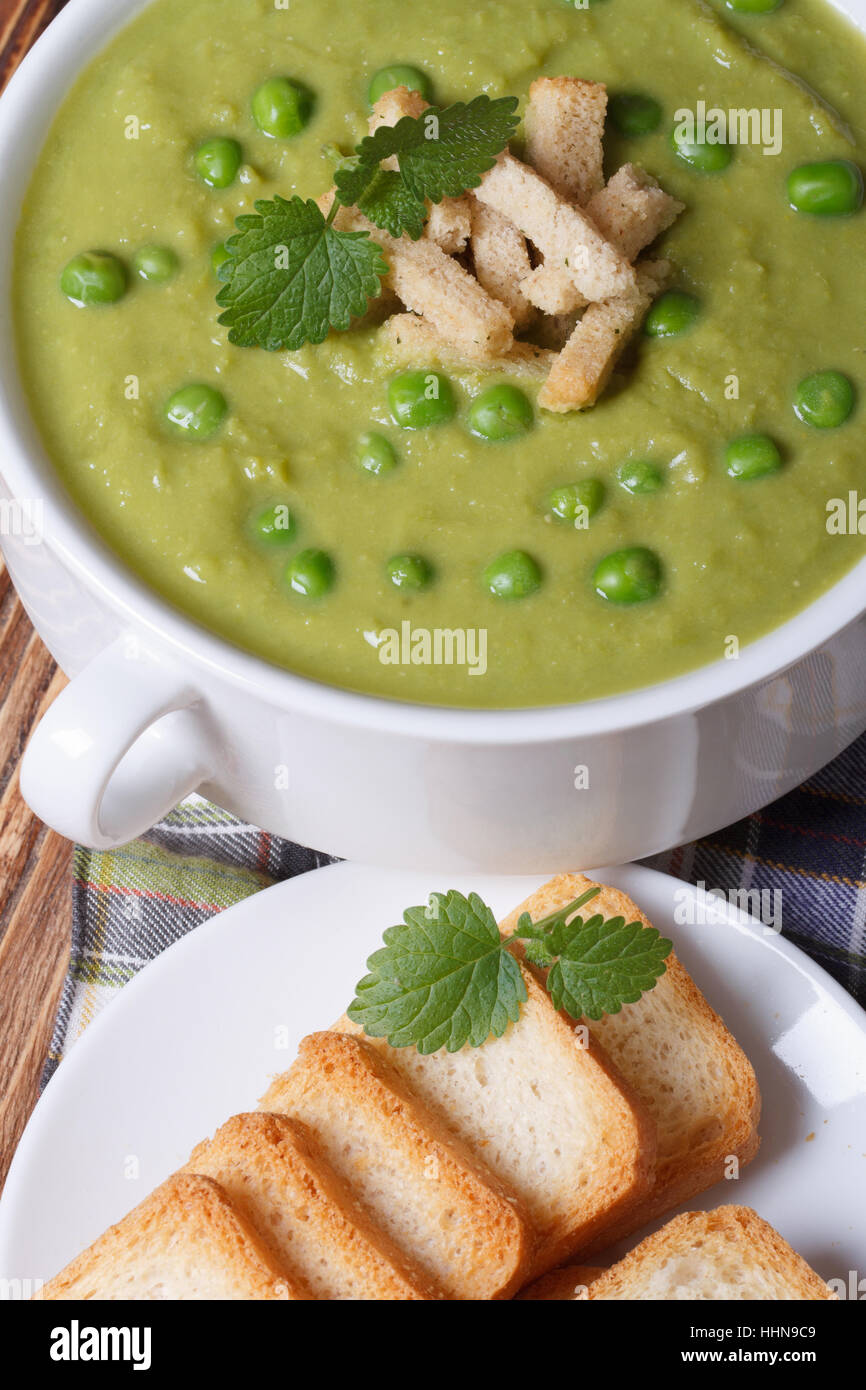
point(293, 276)
point(602, 965)
point(442, 979)
point(388, 203)
point(442, 153)
point(445, 978)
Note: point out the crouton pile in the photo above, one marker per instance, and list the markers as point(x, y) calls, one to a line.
point(536, 271)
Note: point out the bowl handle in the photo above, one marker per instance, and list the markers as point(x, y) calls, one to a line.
point(124, 742)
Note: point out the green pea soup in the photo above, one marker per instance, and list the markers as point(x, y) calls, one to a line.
point(609, 589)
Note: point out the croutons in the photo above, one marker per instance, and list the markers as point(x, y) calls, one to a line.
point(431, 283)
point(584, 301)
point(583, 368)
point(552, 290)
point(449, 224)
point(566, 237)
point(501, 259)
point(633, 210)
point(415, 339)
point(565, 133)
point(394, 105)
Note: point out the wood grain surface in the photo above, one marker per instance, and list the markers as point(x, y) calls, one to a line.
point(35, 864)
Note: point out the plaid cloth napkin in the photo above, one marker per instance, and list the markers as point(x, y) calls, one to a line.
point(131, 903)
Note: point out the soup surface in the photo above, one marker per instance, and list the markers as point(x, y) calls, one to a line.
point(781, 296)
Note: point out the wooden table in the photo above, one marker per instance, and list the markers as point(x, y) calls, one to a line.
point(35, 864)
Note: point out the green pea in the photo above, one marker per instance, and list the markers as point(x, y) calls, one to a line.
point(635, 114)
point(275, 525)
point(419, 399)
point(219, 257)
point(575, 503)
point(831, 188)
point(500, 413)
point(409, 572)
point(512, 575)
point(753, 6)
point(824, 399)
point(282, 108)
point(702, 155)
point(399, 75)
point(376, 453)
point(196, 411)
point(752, 456)
point(156, 264)
point(217, 161)
point(93, 278)
point(639, 477)
point(632, 575)
point(311, 573)
point(672, 314)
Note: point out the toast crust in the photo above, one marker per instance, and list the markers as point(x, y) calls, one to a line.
point(631, 211)
point(432, 284)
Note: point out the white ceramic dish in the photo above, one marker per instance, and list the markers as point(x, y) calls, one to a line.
point(158, 706)
point(196, 1036)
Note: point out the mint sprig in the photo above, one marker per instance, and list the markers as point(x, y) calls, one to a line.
point(445, 977)
point(442, 153)
point(292, 275)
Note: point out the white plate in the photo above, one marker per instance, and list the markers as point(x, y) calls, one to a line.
point(196, 1036)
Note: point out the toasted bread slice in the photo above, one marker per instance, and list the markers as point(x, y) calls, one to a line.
point(437, 1204)
point(544, 1108)
point(726, 1254)
point(186, 1242)
point(678, 1055)
point(274, 1174)
point(561, 1285)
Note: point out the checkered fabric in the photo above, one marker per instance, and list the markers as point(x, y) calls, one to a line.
point(129, 904)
